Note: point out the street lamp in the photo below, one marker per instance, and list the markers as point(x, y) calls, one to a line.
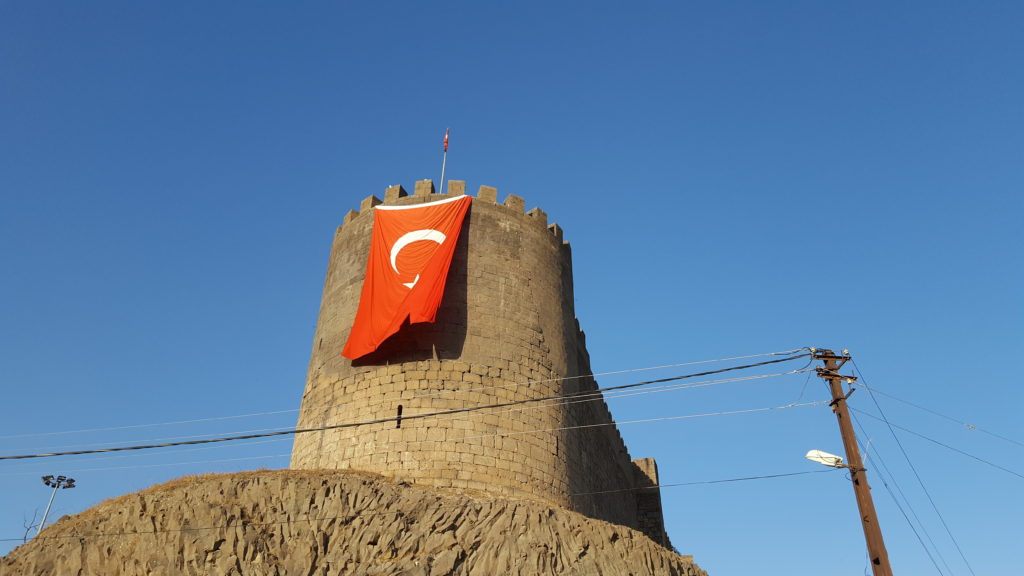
point(56, 482)
point(826, 459)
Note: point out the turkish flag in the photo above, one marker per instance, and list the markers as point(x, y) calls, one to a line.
point(410, 252)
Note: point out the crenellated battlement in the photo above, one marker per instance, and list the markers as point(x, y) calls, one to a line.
point(424, 191)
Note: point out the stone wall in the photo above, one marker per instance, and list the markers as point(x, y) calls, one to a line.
point(506, 331)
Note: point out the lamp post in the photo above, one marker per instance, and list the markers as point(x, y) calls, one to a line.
point(56, 482)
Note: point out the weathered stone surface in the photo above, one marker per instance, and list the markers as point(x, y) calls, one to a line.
point(488, 194)
point(456, 187)
point(423, 187)
point(393, 193)
point(368, 202)
point(306, 522)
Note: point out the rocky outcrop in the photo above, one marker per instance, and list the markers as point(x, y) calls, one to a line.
point(295, 522)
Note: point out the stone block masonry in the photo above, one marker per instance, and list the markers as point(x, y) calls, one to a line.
point(506, 331)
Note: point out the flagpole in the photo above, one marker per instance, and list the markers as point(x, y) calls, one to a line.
point(444, 161)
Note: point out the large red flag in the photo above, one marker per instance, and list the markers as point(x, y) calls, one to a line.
point(410, 253)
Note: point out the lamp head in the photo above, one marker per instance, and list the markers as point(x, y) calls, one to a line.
point(825, 458)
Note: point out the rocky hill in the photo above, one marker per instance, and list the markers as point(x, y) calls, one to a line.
point(289, 522)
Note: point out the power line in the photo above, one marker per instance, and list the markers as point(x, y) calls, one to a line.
point(133, 426)
point(474, 437)
point(292, 410)
point(804, 388)
point(947, 446)
point(165, 464)
point(587, 396)
point(28, 470)
point(418, 416)
point(185, 437)
point(596, 396)
point(914, 470)
point(469, 437)
point(900, 507)
point(613, 388)
point(723, 481)
point(598, 393)
point(640, 421)
point(967, 425)
point(385, 420)
point(616, 372)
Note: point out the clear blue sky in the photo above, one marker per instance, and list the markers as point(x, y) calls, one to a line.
point(734, 177)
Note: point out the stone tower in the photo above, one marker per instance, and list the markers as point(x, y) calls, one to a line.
point(506, 331)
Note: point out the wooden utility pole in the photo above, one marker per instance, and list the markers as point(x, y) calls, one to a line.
point(869, 519)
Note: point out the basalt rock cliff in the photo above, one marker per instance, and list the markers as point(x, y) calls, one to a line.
point(307, 522)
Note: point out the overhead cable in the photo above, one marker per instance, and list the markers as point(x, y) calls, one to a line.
point(480, 436)
point(29, 469)
point(161, 465)
point(471, 437)
point(388, 420)
point(723, 481)
point(867, 453)
point(597, 396)
point(576, 397)
point(384, 420)
point(914, 470)
point(132, 426)
point(947, 446)
point(618, 372)
point(623, 422)
point(967, 425)
point(292, 410)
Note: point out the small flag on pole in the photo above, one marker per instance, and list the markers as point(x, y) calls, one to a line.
point(445, 139)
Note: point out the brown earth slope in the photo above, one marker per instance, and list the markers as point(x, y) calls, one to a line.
point(290, 522)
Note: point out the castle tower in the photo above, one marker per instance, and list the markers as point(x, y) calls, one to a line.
point(506, 331)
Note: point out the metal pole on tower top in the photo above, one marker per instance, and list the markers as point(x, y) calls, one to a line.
point(444, 162)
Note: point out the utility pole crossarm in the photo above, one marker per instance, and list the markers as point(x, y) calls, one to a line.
point(869, 518)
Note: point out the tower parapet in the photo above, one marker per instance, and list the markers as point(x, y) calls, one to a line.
point(506, 331)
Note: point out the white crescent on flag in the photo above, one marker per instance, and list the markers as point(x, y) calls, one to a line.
point(409, 238)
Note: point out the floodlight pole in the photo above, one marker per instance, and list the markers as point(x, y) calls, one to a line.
point(56, 483)
point(869, 519)
point(47, 513)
